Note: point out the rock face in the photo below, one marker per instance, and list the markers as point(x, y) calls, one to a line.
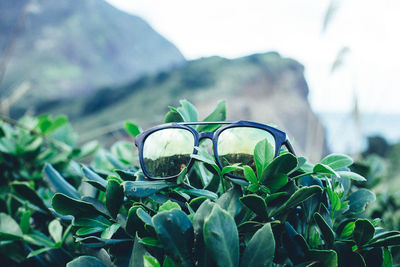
point(67, 48)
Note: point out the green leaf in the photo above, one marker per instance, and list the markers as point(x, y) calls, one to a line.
point(253, 188)
point(327, 232)
point(256, 204)
point(114, 197)
point(324, 169)
point(168, 262)
point(250, 175)
point(337, 161)
point(152, 242)
point(24, 222)
point(221, 238)
point(387, 258)
point(8, 146)
point(299, 196)
point(175, 231)
point(144, 216)
point(38, 251)
point(88, 231)
point(55, 124)
point(94, 179)
point(200, 193)
point(173, 116)
point(69, 206)
point(386, 242)
point(59, 184)
point(38, 239)
point(132, 129)
point(347, 230)
point(198, 223)
point(359, 199)
point(150, 261)
point(137, 189)
point(260, 250)
point(263, 155)
point(55, 230)
point(133, 222)
point(230, 201)
point(219, 114)
point(24, 191)
point(138, 252)
point(327, 258)
point(9, 228)
point(273, 176)
point(169, 205)
point(188, 111)
point(85, 261)
point(363, 232)
point(110, 231)
point(87, 149)
point(98, 221)
point(352, 176)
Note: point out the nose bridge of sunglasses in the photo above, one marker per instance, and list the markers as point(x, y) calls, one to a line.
point(205, 141)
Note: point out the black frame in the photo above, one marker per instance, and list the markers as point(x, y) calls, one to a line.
point(280, 137)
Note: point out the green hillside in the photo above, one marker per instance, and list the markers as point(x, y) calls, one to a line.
point(263, 87)
point(69, 48)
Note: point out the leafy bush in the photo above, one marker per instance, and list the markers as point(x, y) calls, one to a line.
point(287, 212)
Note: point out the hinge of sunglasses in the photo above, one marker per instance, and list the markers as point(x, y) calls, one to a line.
point(289, 146)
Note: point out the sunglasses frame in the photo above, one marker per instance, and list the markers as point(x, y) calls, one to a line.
point(280, 137)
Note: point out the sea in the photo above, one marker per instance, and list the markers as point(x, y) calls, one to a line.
point(348, 132)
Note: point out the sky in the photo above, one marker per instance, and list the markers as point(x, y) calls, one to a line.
point(232, 28)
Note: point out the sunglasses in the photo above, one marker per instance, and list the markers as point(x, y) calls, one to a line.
point(165, 150)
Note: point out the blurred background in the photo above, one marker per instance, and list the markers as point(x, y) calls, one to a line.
point(323, 71)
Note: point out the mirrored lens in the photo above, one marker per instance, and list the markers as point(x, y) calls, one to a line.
point(236, 145)
point(166, 152)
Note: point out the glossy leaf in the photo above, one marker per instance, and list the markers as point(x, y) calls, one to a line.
point(264, 153)
point(175, 231)
point(95, 179)
point(23, 190)
point(87, 261)
point(299, 196)
point(250, 175)
point(352, 176)
point(132, 129)
point(283, 164)
point(65, 205)
point(138, 189)
point(218, 114)
point(363, 231)
point(359, 199)
point(114, 197)
point(150, 261)
point(324, 169)
point(261, 248)
point(327, 258)
point(230, 201)
point(256, 204)
point(9, 228)
point(55, 230)
point(138, 253)
point(173, 116)
point(337, 161)
point(133, 222)
point(327, 232)
point(110, 231)
point(59, 184)
point(221, 238)
point(169, 205)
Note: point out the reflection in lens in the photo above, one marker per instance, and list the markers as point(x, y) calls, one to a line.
point(236, 145)
point(166, 152)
